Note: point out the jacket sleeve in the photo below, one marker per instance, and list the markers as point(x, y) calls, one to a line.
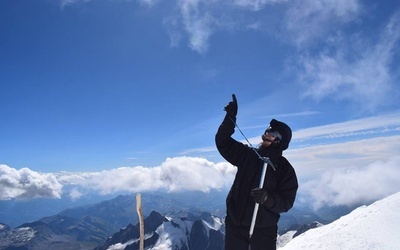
point(282, 199)
point(229, 148)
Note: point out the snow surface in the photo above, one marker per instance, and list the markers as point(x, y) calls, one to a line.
point(376, 226)
point(172, 234)
point(282, 240)
point(122, 246)
point(215, 224)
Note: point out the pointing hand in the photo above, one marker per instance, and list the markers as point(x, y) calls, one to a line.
point(232, 107)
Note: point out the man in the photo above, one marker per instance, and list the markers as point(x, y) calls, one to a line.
point(276, 196)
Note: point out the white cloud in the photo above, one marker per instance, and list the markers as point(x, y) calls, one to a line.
point(148, 3)
point(65, 3)
point(198, 20)
point(256, 4)
point(355, 71)
point(374, 125)
point(368, 125)
point(199, 25)
point(75, 194)
point(175, 174)
point(348, 173)
point(27, 184)
point(307, 20)
point(184, 173)
point(115, 180)
point(350, 186)
point(312, 161)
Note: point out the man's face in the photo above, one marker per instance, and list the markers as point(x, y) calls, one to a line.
point(269, 136)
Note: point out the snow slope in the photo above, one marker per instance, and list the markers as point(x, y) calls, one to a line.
point(376, 226)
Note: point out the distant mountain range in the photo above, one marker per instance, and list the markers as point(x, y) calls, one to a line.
point(16, 212)
point(194, 219)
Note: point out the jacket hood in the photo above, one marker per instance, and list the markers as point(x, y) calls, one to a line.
point(284, 130)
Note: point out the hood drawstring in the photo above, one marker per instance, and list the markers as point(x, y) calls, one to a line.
point(264, 159)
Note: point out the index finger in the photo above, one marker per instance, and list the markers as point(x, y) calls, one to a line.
point(234, 98)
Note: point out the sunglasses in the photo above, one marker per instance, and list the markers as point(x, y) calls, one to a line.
point(273, 133)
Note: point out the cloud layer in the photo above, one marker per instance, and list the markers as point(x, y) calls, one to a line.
point(175, 174)
point(352, 186)
point(337, 174)
point(27, 184)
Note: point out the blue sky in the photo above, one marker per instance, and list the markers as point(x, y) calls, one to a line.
point(97, 90)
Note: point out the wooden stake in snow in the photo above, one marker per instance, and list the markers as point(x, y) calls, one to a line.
point(141, 221)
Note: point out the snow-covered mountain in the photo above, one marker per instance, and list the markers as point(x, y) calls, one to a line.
point(180, 231)
point(370, 227)
point(88, 226)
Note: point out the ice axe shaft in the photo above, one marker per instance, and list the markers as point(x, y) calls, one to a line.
point(253, 220)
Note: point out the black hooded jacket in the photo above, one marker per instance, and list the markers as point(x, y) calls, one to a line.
point(281, 184)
